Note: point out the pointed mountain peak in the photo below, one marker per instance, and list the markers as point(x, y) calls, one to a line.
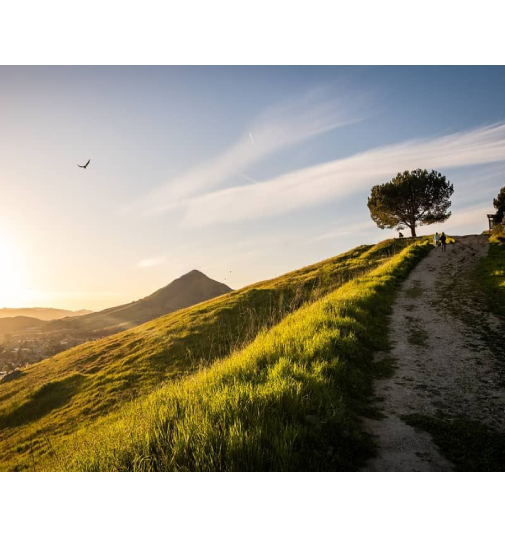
point(195, 273)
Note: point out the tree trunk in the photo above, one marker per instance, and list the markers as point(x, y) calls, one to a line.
point(413, 231)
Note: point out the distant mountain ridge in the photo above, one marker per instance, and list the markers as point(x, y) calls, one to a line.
point(41, 313)
point(189, 289)
point(18, 323)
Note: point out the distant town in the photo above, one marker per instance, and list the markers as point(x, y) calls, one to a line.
point(19, 350)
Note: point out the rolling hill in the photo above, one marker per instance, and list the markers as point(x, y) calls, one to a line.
point(18, 323)
point(41, 313)
point(245, 344)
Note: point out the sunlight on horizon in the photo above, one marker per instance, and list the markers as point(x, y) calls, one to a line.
point(13, 289)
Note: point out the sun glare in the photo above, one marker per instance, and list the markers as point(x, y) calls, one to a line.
point(12, 281)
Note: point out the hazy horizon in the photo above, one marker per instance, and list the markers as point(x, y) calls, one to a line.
point(243, 173)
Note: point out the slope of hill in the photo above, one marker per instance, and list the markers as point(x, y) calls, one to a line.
point(41, 313)
point(18, 323)
point(190, 289)
point(65, 394)
point(291, 400)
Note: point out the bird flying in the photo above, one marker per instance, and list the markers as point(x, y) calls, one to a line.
point(85, 165)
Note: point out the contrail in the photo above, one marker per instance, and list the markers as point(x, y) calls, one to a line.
point(252, 139)
point(250, 179)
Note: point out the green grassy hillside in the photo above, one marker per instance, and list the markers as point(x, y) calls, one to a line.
point(58, 400)
point(291, 400)
point(491, 271)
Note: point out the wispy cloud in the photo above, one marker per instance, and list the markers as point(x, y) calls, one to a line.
point(278, 127)
point(358, 228)
point(466, 220)
point(149, 263)
point(247, 177)
point(321, 183)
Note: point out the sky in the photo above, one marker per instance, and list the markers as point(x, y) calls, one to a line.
point(243, 173)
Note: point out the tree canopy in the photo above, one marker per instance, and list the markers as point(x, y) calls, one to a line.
point(499, 205)
point(412, 198)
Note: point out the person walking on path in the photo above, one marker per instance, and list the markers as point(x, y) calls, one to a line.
point(443, 240)
point(436, 238)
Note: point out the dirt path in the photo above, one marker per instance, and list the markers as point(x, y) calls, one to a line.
point(447, 348)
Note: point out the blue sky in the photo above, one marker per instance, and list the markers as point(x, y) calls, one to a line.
point(244, 173)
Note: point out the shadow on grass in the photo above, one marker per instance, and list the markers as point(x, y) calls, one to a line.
point(48, 397)
point(468, 444)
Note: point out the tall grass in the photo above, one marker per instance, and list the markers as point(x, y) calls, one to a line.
point(115, 370)
point(491, 271)
point(291, 400)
